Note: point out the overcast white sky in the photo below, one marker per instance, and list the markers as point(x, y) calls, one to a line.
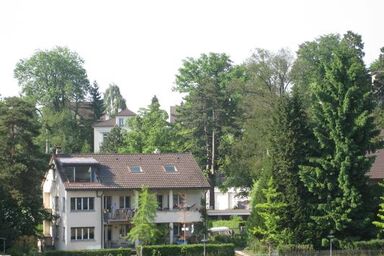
point(139, 45)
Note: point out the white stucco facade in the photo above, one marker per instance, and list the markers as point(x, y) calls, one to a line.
point(109, 227)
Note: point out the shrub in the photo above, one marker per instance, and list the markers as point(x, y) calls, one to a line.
point(237, 239)
point(97, 252)
point(188, 250)
point(375, 244)
point(295, 249)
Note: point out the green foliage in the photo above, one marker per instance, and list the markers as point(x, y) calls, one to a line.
point(234, 223)
point(113, 101)
point(380, 222)
point(144, 229)
point(149, 131)
point(190, 250)
point(375, 244)
point(53, 78)
point(97, 252)
point(266, 76)
point(295, 249)
point(210, 107)
point(271, 232)
point(289, 144)
point(24, 245)
point(21, 169)
point(114, 141)
point(240, 241)
point(343, 126)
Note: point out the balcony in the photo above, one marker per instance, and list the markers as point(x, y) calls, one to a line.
point(118, 216)
point(181, 215)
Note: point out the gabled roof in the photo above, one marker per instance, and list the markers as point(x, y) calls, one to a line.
point(114, 173)
point(112, 122)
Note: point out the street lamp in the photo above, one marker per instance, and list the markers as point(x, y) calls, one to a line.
point(330, 236)
point(204, 241)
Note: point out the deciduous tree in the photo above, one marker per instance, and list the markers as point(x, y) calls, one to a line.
point(113, 101)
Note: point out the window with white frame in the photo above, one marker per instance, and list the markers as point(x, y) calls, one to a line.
point(82, 233)
point(82, 203)
point(124, 202)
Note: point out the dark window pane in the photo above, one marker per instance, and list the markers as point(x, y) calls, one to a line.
point(85, 203)
point(78, 203)
point(73, 203)
point(91, 203)
point(83, 173)
point(85, 233)
point(121, 202)
point(73, 233)
point(127, 202)
point(79, 234)
point(135, 169)
point(91, 233)
point(169, 168)
point(69, 173)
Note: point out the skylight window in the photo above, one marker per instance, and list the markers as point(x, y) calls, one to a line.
point(170, 168)
point(136, 169)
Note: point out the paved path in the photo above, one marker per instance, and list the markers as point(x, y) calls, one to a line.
point(240, 253)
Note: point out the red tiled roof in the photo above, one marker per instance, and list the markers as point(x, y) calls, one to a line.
point(126, 112)
point(114, 171)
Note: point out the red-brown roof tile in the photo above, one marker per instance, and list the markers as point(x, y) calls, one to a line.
point(114, 171)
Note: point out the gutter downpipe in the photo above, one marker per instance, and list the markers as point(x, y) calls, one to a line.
point(100, 195)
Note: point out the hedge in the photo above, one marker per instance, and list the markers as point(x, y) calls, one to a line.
point(188, 250)
point(96, 252)
point(375, 244)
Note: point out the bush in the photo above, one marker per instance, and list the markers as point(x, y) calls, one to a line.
point(188, 250)
point(97, 252)
point(295, 249)
point(375, 244)
point(237, 240)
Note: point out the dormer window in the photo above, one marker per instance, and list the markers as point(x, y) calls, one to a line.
point(170, 168)
point(81, 173)
point(136, 169)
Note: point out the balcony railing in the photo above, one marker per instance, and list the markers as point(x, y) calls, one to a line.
point(118, 215)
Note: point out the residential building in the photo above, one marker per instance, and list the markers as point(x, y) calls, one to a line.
point(103, 127)
point(93, 197)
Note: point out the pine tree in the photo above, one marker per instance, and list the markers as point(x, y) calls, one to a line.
point(380, 215)
point(270, 231)
point(96, 101)
point(144, 228)
point(21, 169)
point(343, 127)
point(289, 144)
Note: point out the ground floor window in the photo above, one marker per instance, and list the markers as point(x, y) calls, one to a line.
point(83, 233)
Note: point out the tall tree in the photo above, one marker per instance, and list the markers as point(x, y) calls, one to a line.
point(53, 78)
point(113, 101)
point(210, 107)
point(289, 147)
point(21, 169)
point(267, 76)
point(96, 101)
point(343, 127)
point(57, 82)
point(144, 228)
point(149, 131)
